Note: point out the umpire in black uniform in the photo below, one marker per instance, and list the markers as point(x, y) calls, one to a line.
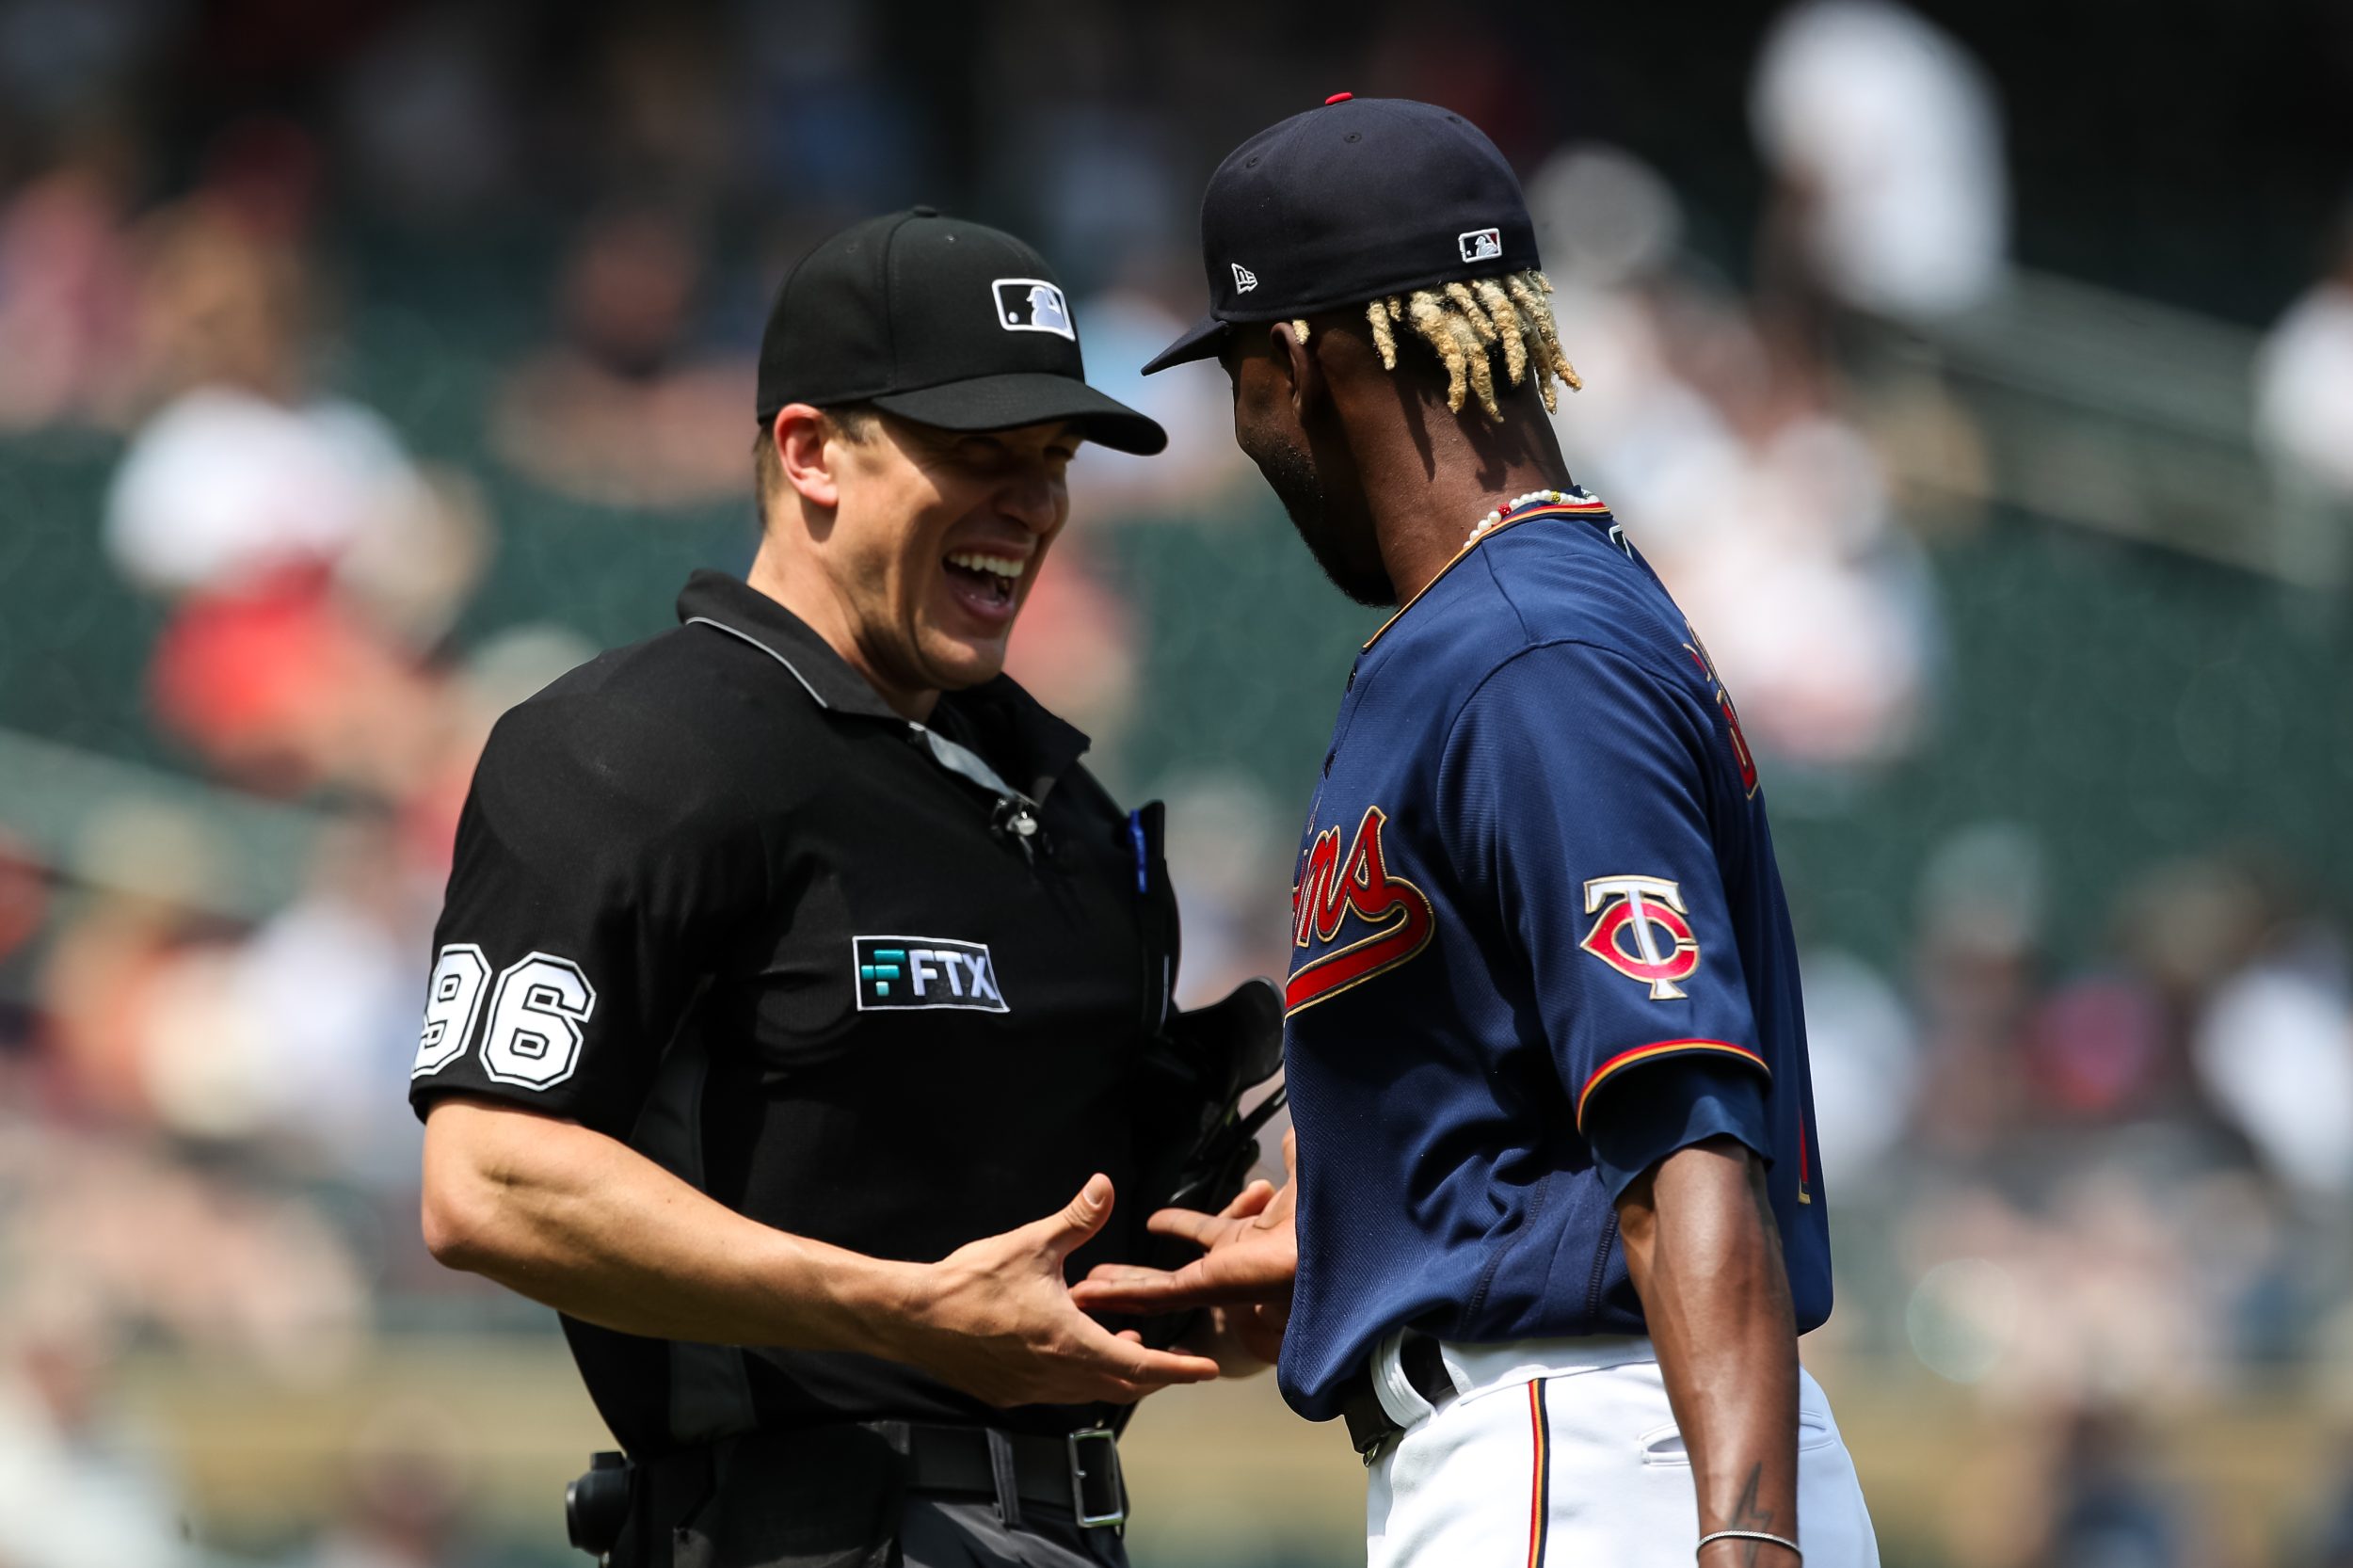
point(790, 994)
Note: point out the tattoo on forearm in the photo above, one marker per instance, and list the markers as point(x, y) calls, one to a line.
point(1751, 1516)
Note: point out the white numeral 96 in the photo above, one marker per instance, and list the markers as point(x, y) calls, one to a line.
point(536, 1011)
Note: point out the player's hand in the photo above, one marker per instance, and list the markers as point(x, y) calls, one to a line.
point(1250, 1256)
point(995, 1319)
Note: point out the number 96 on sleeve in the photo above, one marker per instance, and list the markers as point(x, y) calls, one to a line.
point(536, 1007)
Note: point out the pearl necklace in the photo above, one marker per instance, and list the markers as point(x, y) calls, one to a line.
point(1555, 498)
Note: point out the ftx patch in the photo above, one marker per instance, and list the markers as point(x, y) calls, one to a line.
point(926, 971)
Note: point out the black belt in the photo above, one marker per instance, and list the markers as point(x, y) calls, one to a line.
point(1080, 1471)
point(1368, 1424)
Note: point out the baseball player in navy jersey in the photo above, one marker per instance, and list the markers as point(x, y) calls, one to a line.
point(1554, 1224)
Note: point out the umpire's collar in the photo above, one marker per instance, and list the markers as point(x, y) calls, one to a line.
point(1004, 714)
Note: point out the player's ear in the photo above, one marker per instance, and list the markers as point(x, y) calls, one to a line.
point(1303, 375)
point(808, 454)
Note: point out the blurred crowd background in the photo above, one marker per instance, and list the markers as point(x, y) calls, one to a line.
point(1979, 376)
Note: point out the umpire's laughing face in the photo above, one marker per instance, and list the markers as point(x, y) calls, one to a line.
point(927, 541)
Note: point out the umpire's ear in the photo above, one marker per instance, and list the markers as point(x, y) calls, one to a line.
point(807, 447)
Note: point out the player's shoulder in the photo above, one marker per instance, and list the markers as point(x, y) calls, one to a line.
point(1582, 583)
point(1559, 598)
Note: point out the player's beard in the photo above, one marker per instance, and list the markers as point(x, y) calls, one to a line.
point(1290, 474)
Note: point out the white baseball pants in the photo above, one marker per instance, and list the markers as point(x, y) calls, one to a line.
point(1565, 1451)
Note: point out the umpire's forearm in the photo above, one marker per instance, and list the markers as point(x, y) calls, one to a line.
point(1705, 1256)
point(583, 1223)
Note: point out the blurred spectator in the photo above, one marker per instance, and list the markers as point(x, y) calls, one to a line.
point(148, 871)
point(244, 473)
point(202, 1263)
point(282, 689)
point(1766, 513)
point(68, 289)
point(58, 58)
point(403, 1501)
point(429, 119)
point(2274, 1048)
point(1885, 139)
point(1977, 971)
point(2304, 377)
point(620, 409)
point(2113, 1509)
point(828, 127)
point(2304, 420)
point(296, 1030)
point(1231, 867)
point(77, 1488)
point(1864, 1056)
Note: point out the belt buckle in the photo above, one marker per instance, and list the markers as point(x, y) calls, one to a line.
point(1097, 1493)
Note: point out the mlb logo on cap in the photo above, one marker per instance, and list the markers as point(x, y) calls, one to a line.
point(1481, 245)
point(1032, 305)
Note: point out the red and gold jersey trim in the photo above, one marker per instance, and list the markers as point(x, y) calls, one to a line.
point(1540, 1482)
point(1556, 509)
point(1641, 1054)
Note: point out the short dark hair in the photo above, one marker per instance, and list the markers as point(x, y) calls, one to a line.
point(855, 421)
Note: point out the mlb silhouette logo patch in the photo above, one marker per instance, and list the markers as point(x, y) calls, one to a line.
point(1032, 305)
point(1481, 245)
point(1244, 279)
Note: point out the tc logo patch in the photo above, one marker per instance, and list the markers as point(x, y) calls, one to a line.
point(924, 971)
point(1032, 305)
point(1481, 245)
point(1330, 890)
point(1244, 279)
point(1626, 936)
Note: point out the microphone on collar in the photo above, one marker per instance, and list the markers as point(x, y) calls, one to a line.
point(1017, 819)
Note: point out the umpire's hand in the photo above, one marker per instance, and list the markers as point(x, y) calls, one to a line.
point(995, 1319)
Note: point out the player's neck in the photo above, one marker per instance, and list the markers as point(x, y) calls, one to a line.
point(1428, 485)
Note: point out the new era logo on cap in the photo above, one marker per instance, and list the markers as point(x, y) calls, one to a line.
point(1244, 279)
point(1032, 305)
point(1481, 245)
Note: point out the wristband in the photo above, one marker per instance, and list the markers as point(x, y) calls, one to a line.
point(1748, 1535)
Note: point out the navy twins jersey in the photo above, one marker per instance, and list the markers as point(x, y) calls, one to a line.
point(1536, 901)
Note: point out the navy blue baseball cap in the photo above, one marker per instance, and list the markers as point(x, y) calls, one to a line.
point(1360, 199)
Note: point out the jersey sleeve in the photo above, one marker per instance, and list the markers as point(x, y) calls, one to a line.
point(1575, 794)
point(570, 940)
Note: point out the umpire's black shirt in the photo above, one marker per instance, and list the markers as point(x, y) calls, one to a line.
point(714, 898)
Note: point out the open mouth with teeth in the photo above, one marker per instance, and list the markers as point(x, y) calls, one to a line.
point(985, 582)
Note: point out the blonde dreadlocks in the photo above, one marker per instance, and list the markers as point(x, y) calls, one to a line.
point(1463, 321)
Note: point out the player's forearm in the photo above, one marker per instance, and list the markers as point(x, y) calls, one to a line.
point(581, 1222)
point(1705, 1256)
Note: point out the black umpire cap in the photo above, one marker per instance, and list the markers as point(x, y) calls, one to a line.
point(1360, 199)
point(949, 324)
